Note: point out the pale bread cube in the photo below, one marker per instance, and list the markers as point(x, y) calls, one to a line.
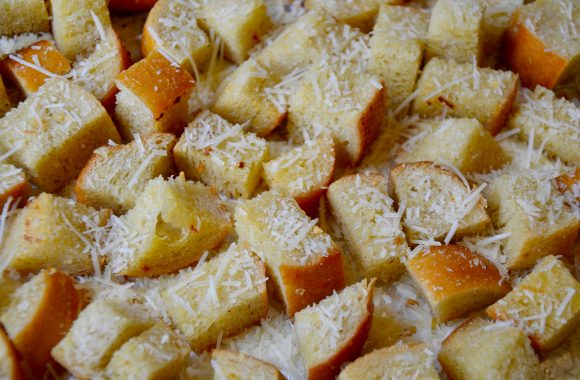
point(116, 175)
point(13, 183)
point(481, 349)
point(463, 143)
point(439, 204)
point(546, 303)
point(173, 222)
point(303, 173)
point(39, 315)
point(157, 353)
point(334, 330)
point(23, 16)
point(54, 232)
point(563, 363)
point(54, 132)
point(218, 298)
point(9, 360)
point(463, 90)
point(100, 330)
point(403, 361)
point(221, 154)
point(301, 259)
point(235, 365)
point(364, 211)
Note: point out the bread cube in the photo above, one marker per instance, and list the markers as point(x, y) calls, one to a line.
point(100, 330)
point(131, 5)
point(220, 154)
point(40, 58)
point(239, 25)
point(57, 129)
point(77, 27)
point(554, 123)
point(39, 315)
point(564, 361)
point(235, 365)
point(9, 360)
point(397, 47)
point(13, 183)
point(496, 19)
point(173, 222)
point(334, 331)
point(97, 72)
point(23, 16)
point(463, 143)
point(568, 184)
point(528, 205)
point(158, 353)
point(463, 90)
point(116, 175)
point(129, 28)
point(5, 103)
point(456, 281)
point(540, 45)
point(172, 28)
point(218, 298)
point(54, 232)
point(153, 97)
point(362, 207)
point(301, 259)
point(405, 361)
point(439, 204)
point(303, 173)
point(242, 98)
point(546, 303)
point(481, 349)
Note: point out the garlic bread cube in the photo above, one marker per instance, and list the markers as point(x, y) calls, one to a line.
point(546, 303)
point(218, 298)
point(173, 222)
point(334, 330)
point(23, 16)
point(235, 365)
point(116, 175)
point(221, 154)
point(13, 183)
point(9, 361)
point(39, 315)
point(301, 259)
point(54, 132)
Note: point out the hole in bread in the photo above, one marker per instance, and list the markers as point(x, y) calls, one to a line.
point(167, 231)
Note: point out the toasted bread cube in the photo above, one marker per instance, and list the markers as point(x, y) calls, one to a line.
point(496, 19)
point(301, 259)
point(404, 361)
point(172, 28)
point(100, 330)
point(9, 360)
point(334, 331)
point(57, 129)
point(5, 103)
point(526, 205)
point(23, 16)
point(129, 28)
point(219, 298)
point(540, 45)
point(456, 281)
point(464, 143)
point(42, 54)
point(220, 154)
point(13, 183)
point(54, 232)
point(153, 97)
point(98, 71)
point(242, 99)
point(39, 315)
point(554, 123)
point(304, 172)
point(235, 365)
point(362, 207)
point(77, 27)
point(546, 303)
point(173, 222)
point(397, 47)
point(158, 353)
point(239, 24)
point(116, 175)
point(463, 90)
point(131, 5)
point(456, 30)
point(563, 363)
point(481, 349)
point(439, 204)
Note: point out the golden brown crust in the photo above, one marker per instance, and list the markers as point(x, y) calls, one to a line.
point(498, 122)
point(253, 362)
point(370, 122)
point(308, 284)
point(564, 182)
point(310, 201)
point(20, 190)
point(148, 43)
point(11, 357)
point(158, 82)
point(131, 6)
